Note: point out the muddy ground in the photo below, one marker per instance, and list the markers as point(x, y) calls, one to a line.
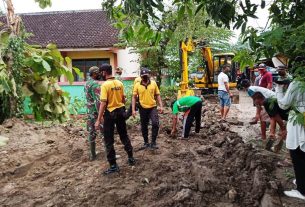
point(224, 165)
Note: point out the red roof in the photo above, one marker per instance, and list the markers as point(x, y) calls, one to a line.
point(71, 29)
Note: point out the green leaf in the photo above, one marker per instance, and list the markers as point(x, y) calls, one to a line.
point(243, 27)
point(56, 99)
point(69, 62)
point(58, 109)
point(47, 108)
point(37, 59)
point(207, 22)
point(69, 75)
point(141, 30)
point(46, 65)
point(199, 8)
point(14, 89)
point(5, 85)
point(78, 72)
point(51, 46)
point(41, 87)
point(263, 4)
point(158, 38)
point(181, 13)
point(189, 11)
point(4, 37)
point(26, 91)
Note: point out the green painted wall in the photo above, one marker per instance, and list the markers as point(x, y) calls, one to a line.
point(77, 92)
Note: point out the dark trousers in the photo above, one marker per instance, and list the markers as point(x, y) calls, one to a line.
point(145, 116)
point(117, 118)
point(195, 113)
point(298, 161)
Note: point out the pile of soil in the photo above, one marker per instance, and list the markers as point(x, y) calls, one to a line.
point(49, 166)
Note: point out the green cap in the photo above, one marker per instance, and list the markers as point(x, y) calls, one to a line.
point(94, 69)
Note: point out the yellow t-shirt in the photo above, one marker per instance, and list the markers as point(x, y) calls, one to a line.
point(147, 94)
point(112, 92)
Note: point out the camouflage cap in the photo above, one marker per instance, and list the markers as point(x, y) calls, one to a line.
point(94, 69)
point(119, 70)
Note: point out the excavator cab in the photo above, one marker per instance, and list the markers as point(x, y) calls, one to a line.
point(225, 58)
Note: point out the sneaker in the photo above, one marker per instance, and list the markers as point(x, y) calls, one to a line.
point(131, 161)
point(154, 146)
point(269, 144)
point(294, 194)
point(113, 168)
point(145, 146)
point(278, 146)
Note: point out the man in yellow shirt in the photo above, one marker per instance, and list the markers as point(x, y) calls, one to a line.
point(148, 93)
point(111, 113)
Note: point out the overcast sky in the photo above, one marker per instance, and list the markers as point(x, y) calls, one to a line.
point(28, 6)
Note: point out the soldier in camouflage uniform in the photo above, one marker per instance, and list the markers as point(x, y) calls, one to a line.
point(92, 91)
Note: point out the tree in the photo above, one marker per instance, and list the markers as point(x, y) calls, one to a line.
point(28, 71)
point(157, 40)
point(217, 38)
point(147, 39)
point(286, 34)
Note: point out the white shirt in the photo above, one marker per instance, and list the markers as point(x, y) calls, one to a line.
point(264, 91)
point(222, 79)
point(280, 88)
point(295, 132)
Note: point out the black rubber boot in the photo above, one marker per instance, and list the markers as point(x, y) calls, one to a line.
point(92, 155)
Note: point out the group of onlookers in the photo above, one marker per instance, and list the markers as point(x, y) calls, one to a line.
point(286, 104)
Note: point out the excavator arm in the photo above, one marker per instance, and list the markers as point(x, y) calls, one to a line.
point(184, 48)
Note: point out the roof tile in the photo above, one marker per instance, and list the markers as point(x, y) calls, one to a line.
point(71, 29)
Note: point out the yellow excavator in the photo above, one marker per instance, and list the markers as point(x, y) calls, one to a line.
point(205, 78)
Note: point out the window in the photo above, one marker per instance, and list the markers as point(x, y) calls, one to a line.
point(84, 66)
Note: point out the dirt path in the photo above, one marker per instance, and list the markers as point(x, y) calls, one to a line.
point(48, 166)
point(244, 112)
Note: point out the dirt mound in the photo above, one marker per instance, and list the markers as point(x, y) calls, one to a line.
point(49, 166)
